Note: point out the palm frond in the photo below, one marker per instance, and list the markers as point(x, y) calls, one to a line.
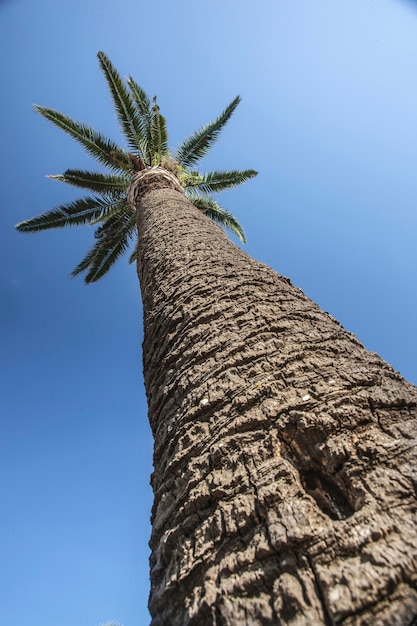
point(94, 181)
point(158, 134)
point(98, 146)
point(216, 181)
point(82, 211)
point(143, 106)
point(126, 111)
point(113, 239)
point(140, 97)
point(210, 207)
point(120, 205)
point(197, 145)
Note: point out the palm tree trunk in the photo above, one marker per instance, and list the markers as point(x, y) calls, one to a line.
point(285, 466)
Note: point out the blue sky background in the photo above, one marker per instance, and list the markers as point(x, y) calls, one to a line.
point(329, 118)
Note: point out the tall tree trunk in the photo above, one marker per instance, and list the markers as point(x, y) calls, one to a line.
point(285, 459)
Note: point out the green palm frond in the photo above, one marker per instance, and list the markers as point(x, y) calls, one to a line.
point(196, 147)
point(103, 149)
point(94, 181)
point(210, 207)
point(143, 106)
point(120, 205)
point(216, 181)
point(82, 211)
point(140, 97)
point(158, 134)
point(127, 113)
point(113, 240)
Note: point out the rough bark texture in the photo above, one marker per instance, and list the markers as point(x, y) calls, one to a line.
point(285, 460)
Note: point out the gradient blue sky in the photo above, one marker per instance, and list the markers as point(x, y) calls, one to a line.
point(329, 118)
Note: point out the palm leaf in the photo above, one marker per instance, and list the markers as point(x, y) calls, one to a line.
point(126, 110)
point(158, 135)
point(196, 147)
point(141, 99)
point(143, 106)
point(113, 239)
point(101, 148)
point(119, 206)
point(82, 211)
point(94, 181)
point(210, 207)
point(216, 181)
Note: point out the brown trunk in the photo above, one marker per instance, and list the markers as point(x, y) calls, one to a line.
point(285, 464)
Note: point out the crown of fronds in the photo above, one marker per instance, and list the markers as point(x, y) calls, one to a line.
point(145, 132)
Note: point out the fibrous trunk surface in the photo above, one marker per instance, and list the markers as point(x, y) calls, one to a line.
point(285, 459)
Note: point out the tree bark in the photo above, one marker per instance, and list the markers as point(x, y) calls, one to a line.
point(284, 459)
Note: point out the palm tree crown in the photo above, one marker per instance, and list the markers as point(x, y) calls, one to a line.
point(146, 135)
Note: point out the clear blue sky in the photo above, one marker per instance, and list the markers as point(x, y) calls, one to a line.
point(329, 118)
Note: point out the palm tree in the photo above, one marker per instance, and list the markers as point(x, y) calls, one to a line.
point(149, 157)
point(285, 459)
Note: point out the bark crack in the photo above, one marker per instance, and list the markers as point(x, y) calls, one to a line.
point(321, 594)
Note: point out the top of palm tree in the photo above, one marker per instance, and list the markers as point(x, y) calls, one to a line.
point(144, 129)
